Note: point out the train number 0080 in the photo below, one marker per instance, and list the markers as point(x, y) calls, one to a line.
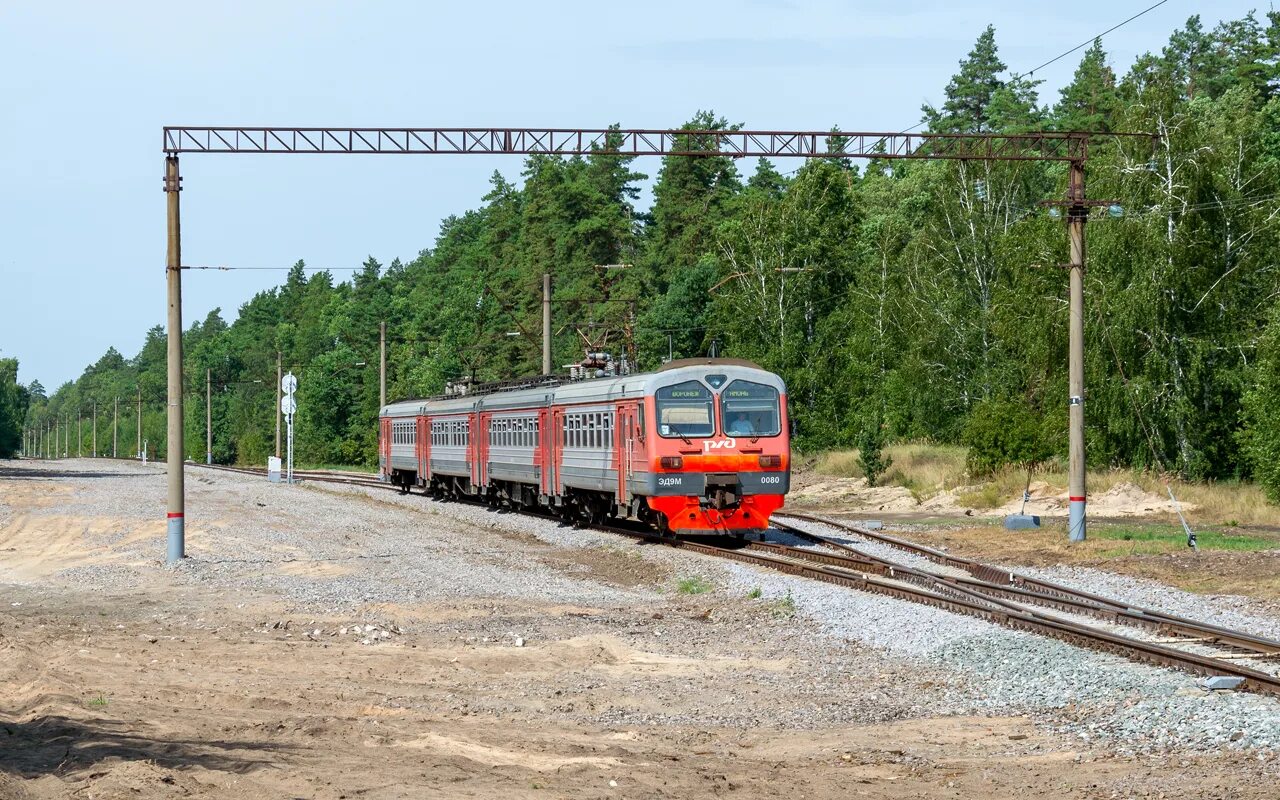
point(771, 479)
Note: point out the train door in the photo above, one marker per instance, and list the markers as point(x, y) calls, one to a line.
point(384, 445)
point(623, 444)
point(424, 451)
point(480, 449)
point(556, 441)
point(543, 457)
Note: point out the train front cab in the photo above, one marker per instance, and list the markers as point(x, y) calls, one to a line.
point(720, 454)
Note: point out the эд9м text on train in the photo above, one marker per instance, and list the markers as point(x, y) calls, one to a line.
point(702, 446)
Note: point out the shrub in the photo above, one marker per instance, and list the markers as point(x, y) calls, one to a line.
point(1003, 432)
point(871, 457)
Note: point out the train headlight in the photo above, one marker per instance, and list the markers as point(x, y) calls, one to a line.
point(672, 462)
point(770, 461)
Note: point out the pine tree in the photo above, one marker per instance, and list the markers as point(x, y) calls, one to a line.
point(1193, 62)
point(1089, 102)
point(971, 90)
point(767, 180)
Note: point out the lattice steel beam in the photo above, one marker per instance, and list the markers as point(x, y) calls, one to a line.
point(1046, 146)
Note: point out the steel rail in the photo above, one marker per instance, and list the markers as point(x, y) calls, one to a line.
point(998, 581)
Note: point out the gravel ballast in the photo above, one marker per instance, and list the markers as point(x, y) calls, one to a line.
point(354, 548)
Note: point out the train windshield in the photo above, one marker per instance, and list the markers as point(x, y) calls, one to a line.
point(750, 409)
point(685, 410)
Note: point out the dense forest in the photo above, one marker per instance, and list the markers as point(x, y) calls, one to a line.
point(900, 300)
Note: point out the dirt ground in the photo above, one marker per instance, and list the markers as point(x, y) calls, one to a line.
point(162, 685)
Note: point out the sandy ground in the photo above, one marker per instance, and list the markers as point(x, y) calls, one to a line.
point(853, 495)
point(120, 677)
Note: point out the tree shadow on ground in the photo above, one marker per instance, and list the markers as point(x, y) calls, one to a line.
point(57, 745)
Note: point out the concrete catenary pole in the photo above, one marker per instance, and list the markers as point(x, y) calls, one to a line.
point(279, 378)
point(95, 428)
point(1077, 213)
point(382, 365)
point(138, 453)
point(79, 431)
point(174, 444)
point(115, 431)
point(546, 323)
point(208, 416)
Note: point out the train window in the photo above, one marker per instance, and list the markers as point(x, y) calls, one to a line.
point(684, 410)
point(750, 409)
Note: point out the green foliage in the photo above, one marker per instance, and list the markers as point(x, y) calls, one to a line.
point(904, 301)
point(1001, 432)
point(1261, 407)
point(1151, 539)
point(1089, 102)
point(694, 585)
point(871, 457)
point(14, 398)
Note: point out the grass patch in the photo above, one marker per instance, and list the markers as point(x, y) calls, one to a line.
point(755, 593)
point(1156, 539)
point(783, 607)
point(924, 469)
point(694, 585)
point(341, 468)
point(985, 496)
point(97, 702)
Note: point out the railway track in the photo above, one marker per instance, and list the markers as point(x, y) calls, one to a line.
point(966, 586)
point(1018, 601)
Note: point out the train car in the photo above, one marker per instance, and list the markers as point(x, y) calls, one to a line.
point(700, 446)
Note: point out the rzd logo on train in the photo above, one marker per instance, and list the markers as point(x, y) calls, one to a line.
point(718, 444)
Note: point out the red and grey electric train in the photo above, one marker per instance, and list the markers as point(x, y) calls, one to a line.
point(701, 446)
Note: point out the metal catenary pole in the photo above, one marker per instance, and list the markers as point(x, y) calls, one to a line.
point(382, 365)
point(79, 431)
point(138, 452)
point(208, 416)
point(174, 445)
point(547, 323)
point(279, 377)
point(95, 428)
point(1077, 213)
point(115, 431)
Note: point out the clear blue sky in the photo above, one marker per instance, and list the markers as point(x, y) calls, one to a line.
point(86, 87)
